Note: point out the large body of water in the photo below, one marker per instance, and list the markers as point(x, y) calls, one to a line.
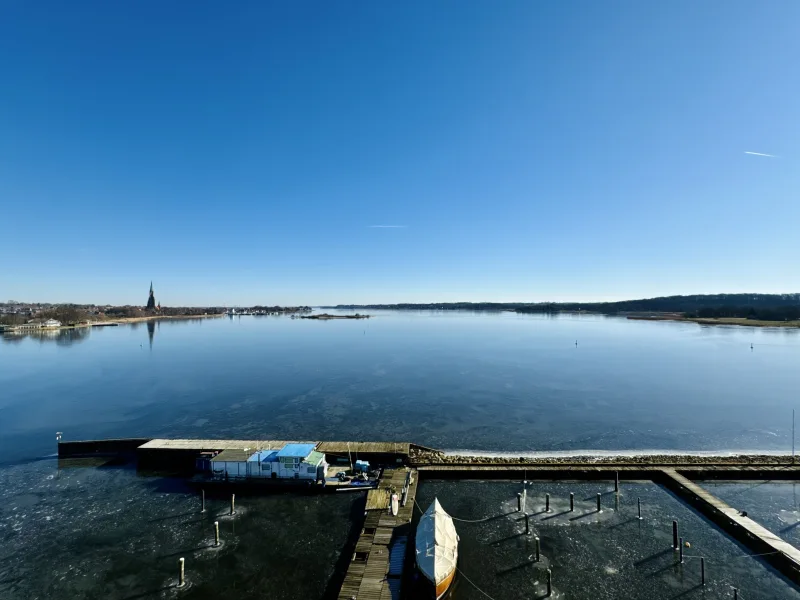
point(482, 382)
point(494, 382)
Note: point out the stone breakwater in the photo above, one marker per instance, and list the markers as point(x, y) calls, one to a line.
point(427, 457)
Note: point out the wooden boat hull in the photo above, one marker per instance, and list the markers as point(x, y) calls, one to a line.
point(444, 585)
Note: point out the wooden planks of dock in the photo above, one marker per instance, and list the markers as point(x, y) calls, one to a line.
point(368, 575)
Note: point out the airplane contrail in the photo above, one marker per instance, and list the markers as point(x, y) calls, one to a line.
point(760, 154)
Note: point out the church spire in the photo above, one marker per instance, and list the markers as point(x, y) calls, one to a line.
point(151, 300)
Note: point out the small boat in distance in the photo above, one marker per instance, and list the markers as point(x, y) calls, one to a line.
point(437, 549)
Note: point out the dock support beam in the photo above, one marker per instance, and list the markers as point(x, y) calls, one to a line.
point(616, 481)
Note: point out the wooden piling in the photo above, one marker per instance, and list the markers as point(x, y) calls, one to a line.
point(519, 502)
point(216, 533)
point(639, 507)
point(547, 503)
point(571, 502)
point(674, 535)
point(598, 502)
point(181, 577)
point(616, 481)
point(680, 550)
point(702, 571)
point(538, 547)
point(549, 583)
point(202, 501)
point(233, 504)
point(527, 524)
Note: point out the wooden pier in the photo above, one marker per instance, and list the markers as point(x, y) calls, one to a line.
point(376, 569)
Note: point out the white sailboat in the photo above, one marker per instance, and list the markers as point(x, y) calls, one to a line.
point(437, 548)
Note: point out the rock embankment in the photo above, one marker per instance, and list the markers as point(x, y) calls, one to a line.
point(427, 457)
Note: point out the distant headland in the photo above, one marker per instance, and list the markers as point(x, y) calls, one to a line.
point(757, 310)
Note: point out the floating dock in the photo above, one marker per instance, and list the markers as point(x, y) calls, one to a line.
point(376, 569)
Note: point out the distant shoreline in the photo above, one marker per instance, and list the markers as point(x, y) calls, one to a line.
point(740, 321)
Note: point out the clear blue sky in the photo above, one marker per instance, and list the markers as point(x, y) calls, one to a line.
point(241, 153)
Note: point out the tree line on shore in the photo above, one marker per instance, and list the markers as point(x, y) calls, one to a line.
point(765, 307)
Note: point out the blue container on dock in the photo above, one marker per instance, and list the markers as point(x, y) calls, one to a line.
point(362, 466)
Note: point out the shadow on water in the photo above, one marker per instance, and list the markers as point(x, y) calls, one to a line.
point(153, 592)
point(528, 563)
point(340, 569)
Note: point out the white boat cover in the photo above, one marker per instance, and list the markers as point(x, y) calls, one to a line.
point(437, 544)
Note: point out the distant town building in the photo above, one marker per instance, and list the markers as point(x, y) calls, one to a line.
point(51, 324)
point(151, 301)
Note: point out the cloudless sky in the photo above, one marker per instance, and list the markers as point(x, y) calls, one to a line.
point(242, 153)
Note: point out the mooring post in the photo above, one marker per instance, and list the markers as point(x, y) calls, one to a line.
point(216, 533)
point(680, 550)
point(598, 502)
point(674, 535)
point(639, 506)
point(735, 594)
point(524, 499)
point(571, 502)
point(527, 524)
point(702, 571)
point(202, 501)
point(181, 578)
point(549, 583)
point(538, 547)
point(519, 502)
point(547, 503)
point(616, 481)
point(233, 504)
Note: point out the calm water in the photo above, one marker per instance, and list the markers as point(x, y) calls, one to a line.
point(447, 380)
point(498, 382)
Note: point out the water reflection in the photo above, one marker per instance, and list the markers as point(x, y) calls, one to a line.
point(151, 331)
point(62, 337)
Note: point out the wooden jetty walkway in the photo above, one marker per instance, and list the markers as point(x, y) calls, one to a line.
point(781, 554)
point(376, 569)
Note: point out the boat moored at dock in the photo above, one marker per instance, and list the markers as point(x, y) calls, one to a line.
point(437, 549)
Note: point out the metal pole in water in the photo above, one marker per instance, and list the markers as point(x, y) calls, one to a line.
point(519, 502)
point(571, 502)
point(674, 535)
point(680, 548)
point(702, 571)
point(735, 594)
point(549, 583)
point(203, 501)
point(598, 502)
point(639, 506)
point(233, 504)
point(616, 481)
point(524, 499)
point(538, 547)
point(527, 524)
point(216, 533)
point(181, 579)
point(547, 503)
